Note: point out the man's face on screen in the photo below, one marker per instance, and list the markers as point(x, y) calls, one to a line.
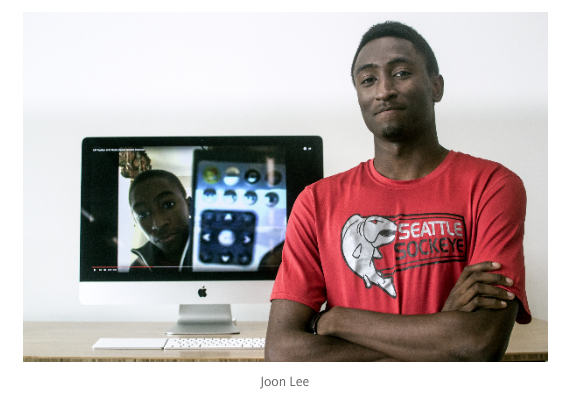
point(161, 210)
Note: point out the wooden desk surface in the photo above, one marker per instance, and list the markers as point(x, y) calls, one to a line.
point(72, 341)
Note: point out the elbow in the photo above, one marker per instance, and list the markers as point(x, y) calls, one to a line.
point(483, 335)
point(275, 351)
point(286, 349)
point(478, 349)
point(279, 354)
point(487, 339)
point(480, 346)
point(273, 354)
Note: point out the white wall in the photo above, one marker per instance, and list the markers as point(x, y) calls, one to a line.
point(222, 74)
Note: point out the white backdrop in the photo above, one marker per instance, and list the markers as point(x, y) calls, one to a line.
point(244, 74)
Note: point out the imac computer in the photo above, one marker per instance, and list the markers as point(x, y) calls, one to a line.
point(194, 221)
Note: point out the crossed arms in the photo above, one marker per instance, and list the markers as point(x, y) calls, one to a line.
point(474, 325)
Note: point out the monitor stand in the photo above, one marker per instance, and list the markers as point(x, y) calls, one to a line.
point(204, 319)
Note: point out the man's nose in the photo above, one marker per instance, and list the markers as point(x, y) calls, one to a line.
point(159, 220)
point(386, 89)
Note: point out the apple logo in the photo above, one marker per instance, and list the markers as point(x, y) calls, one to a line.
point(202, 292)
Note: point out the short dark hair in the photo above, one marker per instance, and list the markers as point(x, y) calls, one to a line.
point(157, 173)
point(399, 30)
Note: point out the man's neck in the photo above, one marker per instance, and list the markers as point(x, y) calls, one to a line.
point(408, 160)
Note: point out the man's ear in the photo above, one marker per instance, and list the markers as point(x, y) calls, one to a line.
point(437, 87)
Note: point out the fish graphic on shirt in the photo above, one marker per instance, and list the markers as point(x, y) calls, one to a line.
point(361, 238)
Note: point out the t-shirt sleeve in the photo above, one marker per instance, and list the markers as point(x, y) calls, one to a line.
point(500, 233)
point(300, 277)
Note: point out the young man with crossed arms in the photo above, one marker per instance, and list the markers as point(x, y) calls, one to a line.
point(417, 252)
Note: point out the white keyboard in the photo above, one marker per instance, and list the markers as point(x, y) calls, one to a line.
point(215, 343)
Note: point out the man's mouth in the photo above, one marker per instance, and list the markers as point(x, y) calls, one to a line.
point(386, 109)
point(166, 238)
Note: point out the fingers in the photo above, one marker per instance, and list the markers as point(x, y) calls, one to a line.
point(469, 270)
point(486, 290)
point(478, 296)
point(481, 295)
point(485, 266)
point(479, 273)
point(483, 302)
point(479, 287)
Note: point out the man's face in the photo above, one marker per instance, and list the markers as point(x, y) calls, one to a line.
point(394, 90)
point(161, 210)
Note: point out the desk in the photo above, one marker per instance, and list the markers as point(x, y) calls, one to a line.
point(72, 342)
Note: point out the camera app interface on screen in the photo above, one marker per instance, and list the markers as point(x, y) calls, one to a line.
point(239, 212)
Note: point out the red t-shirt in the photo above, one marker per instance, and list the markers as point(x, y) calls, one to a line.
point(360, 240)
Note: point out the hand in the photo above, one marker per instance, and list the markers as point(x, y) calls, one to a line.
point(476, 289)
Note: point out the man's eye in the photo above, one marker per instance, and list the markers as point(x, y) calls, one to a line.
point(368, 80)
point(402, 73)
point(168, 205)
point(142, 215)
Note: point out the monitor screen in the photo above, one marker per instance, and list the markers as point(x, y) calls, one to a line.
point(188, 220)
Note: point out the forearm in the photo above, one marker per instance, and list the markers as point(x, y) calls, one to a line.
point(288, 338)
point(445, 336)
point(306, 347)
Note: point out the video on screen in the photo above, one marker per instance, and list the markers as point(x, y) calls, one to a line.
point(201, 209)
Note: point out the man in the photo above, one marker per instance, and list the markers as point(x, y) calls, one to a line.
point(418, 252)
point(161, 208)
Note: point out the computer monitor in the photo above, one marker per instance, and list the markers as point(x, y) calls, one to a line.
point(194, 221)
